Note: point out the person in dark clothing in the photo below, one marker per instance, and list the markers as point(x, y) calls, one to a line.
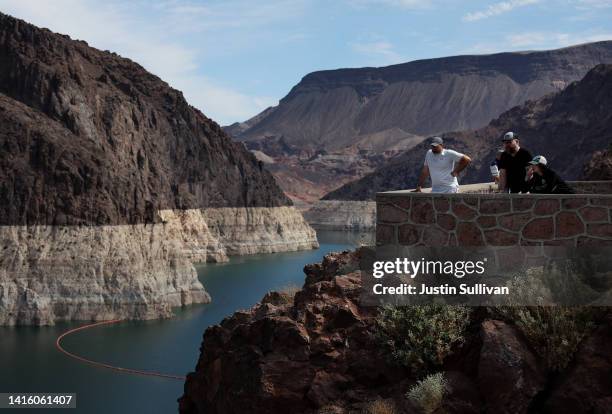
point(513, 165)
point(543, 180)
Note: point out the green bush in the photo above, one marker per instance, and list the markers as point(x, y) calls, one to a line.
point(555, 332)
point(420, 337)
point(429, 392)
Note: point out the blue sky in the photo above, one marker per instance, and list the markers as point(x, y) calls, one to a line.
point(233, 58)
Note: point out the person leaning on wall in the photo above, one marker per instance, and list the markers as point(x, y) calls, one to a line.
point(443, 166)
point(543, 180)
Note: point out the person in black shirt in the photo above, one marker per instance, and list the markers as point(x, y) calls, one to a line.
point(513, 165)
point(543, 180)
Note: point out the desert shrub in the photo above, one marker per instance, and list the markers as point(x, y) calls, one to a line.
point(381, 407)
point(429, 392)
point(555, 332)
point(420, 337)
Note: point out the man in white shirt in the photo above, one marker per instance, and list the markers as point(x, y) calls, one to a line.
point(443, 165)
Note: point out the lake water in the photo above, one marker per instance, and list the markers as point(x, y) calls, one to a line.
point(29, 361)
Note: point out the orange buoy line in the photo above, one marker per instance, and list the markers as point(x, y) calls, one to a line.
point(58, 345)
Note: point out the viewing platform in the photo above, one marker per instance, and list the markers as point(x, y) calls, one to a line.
point(480, 216)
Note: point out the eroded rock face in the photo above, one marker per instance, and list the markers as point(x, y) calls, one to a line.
point(133, 271)
point(111, 184)
point(586, 387)
point(342, 215)
point(509, 374)
point(53, 273)
point(293, 354)
point(335, 109)
point(316, 352)
point(89, 137)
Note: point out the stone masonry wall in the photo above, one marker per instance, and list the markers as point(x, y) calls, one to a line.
point(414, 219)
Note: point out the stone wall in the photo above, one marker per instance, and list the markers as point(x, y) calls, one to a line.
point(493, 219)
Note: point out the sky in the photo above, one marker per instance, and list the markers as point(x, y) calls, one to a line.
point(234, 58)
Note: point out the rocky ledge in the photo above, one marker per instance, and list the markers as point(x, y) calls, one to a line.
point(317, 352)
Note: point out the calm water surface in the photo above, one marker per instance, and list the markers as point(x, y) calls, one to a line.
point(29, 361)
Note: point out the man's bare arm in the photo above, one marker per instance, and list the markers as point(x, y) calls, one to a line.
point(422, 178)
point(463, 162)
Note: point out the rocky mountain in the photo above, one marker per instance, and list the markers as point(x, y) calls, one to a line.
point(384, 111)
point(319, 351)
point(334, 109)
point(91, 137)
point(566, 127)
point(111, 184)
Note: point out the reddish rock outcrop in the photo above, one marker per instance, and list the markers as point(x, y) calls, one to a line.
point(509, 374)
point(294, 354)
point(317, 353)
point(586, 387)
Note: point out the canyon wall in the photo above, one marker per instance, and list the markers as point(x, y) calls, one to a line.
point(342, 215)
point(111, 185)
point(140, 271)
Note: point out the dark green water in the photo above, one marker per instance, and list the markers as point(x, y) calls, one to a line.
point(29, 361)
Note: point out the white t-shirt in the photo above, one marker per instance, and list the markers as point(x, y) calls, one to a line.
point(440, 168)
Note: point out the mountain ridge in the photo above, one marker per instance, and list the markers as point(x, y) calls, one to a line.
point(550, 69)
point(337, 126)
point(566, 127)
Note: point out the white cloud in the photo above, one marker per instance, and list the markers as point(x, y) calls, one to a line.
point(117, 27)
point(380, 52)
point(497, 9)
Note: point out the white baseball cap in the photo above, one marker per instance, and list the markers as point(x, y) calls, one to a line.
point(538, 159)
point(509, 136)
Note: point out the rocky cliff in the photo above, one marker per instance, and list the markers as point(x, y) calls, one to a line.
point(106, 171)
point(342, 215)
point(599, 167)
point(566, 127)
point(319, 351)
point(367, 113)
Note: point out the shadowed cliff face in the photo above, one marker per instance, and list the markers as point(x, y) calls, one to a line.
point(566, 127)
point(89, 137)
